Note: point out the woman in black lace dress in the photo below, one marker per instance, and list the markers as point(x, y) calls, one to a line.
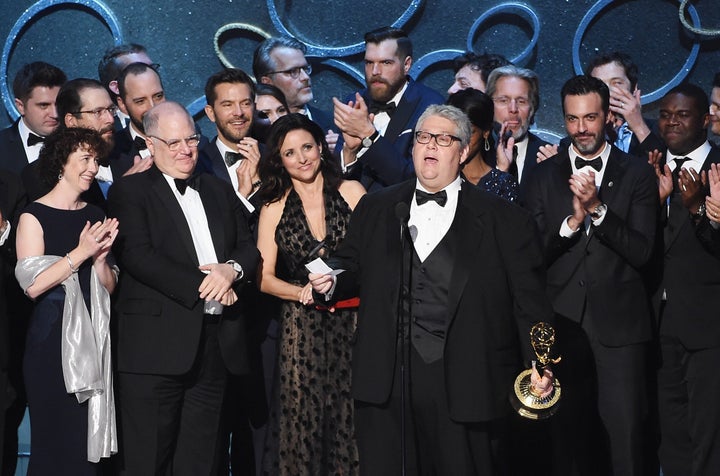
point(306, 216)
point(479, 108)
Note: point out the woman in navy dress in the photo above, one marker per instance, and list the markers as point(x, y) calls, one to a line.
point(480, 109)
point(62, 225)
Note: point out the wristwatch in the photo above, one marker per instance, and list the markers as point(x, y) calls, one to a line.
point(238, 269)
point(368, 141)
point(598, 212)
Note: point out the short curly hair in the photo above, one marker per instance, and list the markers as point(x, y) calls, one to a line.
point(60, 144)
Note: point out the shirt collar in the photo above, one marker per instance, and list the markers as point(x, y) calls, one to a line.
point(697, 157)
point(451, 189)
point(396, 99)
point(25, 131)
point(224, 148)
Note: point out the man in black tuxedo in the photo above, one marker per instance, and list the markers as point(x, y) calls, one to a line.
point(140, 88)
point(12, 201)
point(35, 88)
point(689, 295)
point(628, 130)
point(516, 95)
point(477, 285)
point(377, 123)
point(233, 155)
point(596, 209)
point(282, 63)
point(185, 250)
point(110, 67)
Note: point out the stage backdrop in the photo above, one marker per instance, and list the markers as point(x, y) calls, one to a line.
point(671, 41)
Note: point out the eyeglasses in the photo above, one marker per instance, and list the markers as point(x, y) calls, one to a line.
point(294, 73)
point(98, 111)
point(443, 140)
point(505, 101)
point(155, 66)
point(173, 145)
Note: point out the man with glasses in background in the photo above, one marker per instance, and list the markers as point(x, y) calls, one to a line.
point(516, 94)
point(185, 251)
point(282, 63)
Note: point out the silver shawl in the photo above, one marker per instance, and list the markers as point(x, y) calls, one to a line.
point(85, 351)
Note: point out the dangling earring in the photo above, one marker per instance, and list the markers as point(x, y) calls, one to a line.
point(487, 144)
point(60, 176)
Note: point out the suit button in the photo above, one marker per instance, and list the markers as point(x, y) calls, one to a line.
point(581, 283)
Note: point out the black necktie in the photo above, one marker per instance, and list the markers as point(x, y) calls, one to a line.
point(34, 139)
point(140, 143)
point(183, 184)
point(423, 197)
point(232, 157)
point(378, 107)
point(513, 170)
point(595, 163)
point(676, 172)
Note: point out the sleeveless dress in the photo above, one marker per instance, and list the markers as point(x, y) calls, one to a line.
point(58, 423)
point(311, 430)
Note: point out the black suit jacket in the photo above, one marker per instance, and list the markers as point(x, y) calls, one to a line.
point(12, 299)
point(691, 275)
point(604, 267)
point(323, 119)
point(496, 294)
point(12, 151)
point(159, 312)
point(389, 160)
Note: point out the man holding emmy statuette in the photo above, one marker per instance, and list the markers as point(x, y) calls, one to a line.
point(460, 273)
point(596, 209)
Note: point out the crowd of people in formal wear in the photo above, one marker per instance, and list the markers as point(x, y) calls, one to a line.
point(351, 290)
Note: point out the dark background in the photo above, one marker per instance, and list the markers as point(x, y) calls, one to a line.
point(179, 34)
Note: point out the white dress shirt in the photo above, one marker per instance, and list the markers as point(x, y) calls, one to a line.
point(33, 152)
point(430, 222)
point(232, 172)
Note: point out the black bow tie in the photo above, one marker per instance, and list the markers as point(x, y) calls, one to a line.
point(423, 197)
point(378, 107)
point(34, 139)
point(183, 184)
point(595, 163)
point(232, 157)
point(140, 143)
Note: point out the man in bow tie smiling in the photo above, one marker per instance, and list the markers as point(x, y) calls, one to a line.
point(472, 276)
point(596, 209)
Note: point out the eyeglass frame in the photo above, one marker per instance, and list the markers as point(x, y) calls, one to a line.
point(520, 102)
point(173, 145)
point(435, 136)
point(294, 73)
point(99, 110)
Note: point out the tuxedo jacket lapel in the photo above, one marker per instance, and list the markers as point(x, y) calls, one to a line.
point(214, 218)
point(167, 198)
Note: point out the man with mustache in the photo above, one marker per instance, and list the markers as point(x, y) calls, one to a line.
point(596, 209)
point(516, 95)
point(377, 122)
point(281, 62)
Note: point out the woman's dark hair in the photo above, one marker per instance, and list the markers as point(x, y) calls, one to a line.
point(263, 89)
point(479, 108)
point(60, 144)
point(275, 179)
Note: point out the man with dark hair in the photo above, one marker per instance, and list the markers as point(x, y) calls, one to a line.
point(715, 106)
point(139, 89)
point(35, 88)
point(596, 209)
point(185, 250)
point(282, 63)
point(472, 70)
point(377, 122)
point(627, 130)
point(111, 65)
point(473, 279)
point(688, 296)
point(516, 95)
